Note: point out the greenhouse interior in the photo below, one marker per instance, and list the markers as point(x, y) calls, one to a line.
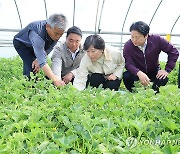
point(38, 117)
point(111, 19)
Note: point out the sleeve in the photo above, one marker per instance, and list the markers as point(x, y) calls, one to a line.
point(56, 59)
point(74, 72)
point(81, 74)
point(38, 46)
point(120, 66)
point(129, 64)
point(172, 53)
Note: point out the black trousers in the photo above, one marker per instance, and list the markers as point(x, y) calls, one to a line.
point(27, 55)
point(95, 79)
point(129, 80)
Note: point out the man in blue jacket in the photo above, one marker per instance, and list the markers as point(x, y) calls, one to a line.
point(35, 42)
point(141, 55)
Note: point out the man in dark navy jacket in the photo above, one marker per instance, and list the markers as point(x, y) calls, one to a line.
point(141, 55)
point(36, 41)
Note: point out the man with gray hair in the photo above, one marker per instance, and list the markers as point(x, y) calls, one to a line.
point(34, 42)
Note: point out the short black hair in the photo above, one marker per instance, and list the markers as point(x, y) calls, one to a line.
point(75, 30)
point(141, 27)
point(96, 41)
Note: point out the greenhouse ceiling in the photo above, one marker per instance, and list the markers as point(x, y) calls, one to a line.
point(95, 15)
point(112, 17)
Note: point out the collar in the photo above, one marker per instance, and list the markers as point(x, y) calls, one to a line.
point(101, 59)
point(74, 52)
point(47, 36)
point(107, 54)
point(142, 48)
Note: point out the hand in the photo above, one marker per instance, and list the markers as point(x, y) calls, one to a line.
point(144, 79)
point(58, 83)
point(162, 74)
point(35, 66)
point(68, 77)
point(112, 77)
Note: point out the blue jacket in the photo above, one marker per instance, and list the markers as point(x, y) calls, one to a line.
point(35, 35)
point(136, 60)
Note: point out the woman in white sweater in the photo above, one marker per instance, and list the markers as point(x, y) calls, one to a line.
point(100, 65)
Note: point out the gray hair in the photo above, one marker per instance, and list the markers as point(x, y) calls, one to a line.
point(58, 20)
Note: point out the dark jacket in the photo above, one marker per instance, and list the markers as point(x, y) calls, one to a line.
point(39, 39)
point(136, 60)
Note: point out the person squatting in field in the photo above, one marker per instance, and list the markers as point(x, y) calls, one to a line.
point(34, 42)
point(141, 55)
point(100, 65)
